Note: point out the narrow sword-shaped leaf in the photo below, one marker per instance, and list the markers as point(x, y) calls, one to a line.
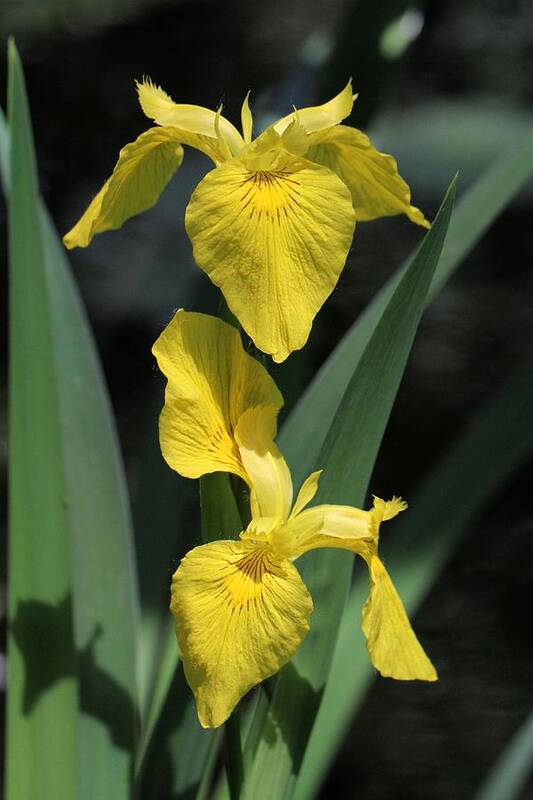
point(347, 457)
point(304, 430)
point(101, 607)
point(494, 443)
point(42, 701)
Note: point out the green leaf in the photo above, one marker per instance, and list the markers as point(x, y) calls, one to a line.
point(507, 778)
point(72, 714)
point(347, 457)
point(221, 517)
point(160, 505)
point(494, 443)
point(304, 430)
point(181, 752)
point(43, 692)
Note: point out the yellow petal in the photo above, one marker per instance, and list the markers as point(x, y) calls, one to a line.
point(247, 120)
point(268, 474)
point(268, 153)
point(240, 615)
point(274, 242)
point(341, 527)
point(143, 170)
point(159, 106)
point(394, 649)
point(307, 491)
point(372, 177)
point(316, 118)
point(211, 382)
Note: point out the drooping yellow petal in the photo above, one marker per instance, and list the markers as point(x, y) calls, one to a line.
point(247, 120)
point(268, 474)
point(240, 615)
point(274, 242)
point(211, 382)
point(316, 118)
point(143, 170)
point(307, 491)
point(372, 177)
point(159, 106)
point(392, 644)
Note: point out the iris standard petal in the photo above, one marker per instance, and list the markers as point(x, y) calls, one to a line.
point(268, 474)
point(274, 242)
point(372, 177)
point(392, 644)
point(159, 106)
point(144, 168)
point(211, 382)
point(308, 489)
point(247, 120)
point(240, 615)
point(316, 118)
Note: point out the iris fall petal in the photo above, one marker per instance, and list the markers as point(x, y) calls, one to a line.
point(274, 242)
point(241, 613)
point(376, 187)
point(211, 383)
point(143, 170)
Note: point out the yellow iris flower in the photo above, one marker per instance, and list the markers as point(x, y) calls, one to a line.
point(241, 607)
point(272, 224)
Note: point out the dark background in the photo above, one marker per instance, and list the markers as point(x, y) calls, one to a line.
point(453, 99)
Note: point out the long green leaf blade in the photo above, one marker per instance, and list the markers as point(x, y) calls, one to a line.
point(42, 705)
point(304, 430)
point(494, 443)
point(347, 457)
point(102, 599)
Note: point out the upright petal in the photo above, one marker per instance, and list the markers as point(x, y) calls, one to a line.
point(392, 644)
point(268, 474)
point(143, 170)
point(159, 106)
point(308, 489)
point(211, 383)
point(240, 615)
point(247, 120)
point(316, 118)
point(274, 242)
point(372, 177)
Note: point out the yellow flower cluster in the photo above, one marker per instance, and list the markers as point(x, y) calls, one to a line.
point(241, 608)
point(271, 225)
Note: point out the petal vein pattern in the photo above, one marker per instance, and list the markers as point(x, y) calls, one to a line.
point(274, 242)
point(211, 383)
point(143, 170)
point(376, 187)
point(241, 614)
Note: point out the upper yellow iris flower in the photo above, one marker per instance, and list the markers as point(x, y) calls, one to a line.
point(241, 608)
point(273, 222)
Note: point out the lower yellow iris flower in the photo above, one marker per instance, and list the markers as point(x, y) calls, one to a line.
point(241, 607)
point(273, 222)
